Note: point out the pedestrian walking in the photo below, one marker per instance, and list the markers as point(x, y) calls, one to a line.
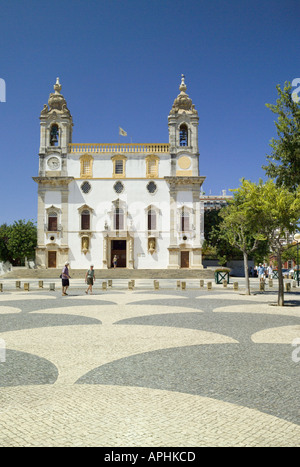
point(261, 272)
point(65, 276)
point(270, 271)
point(90, 279)
point(115, 261)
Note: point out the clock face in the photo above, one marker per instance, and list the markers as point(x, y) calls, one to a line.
point(184, 162)
point(53, 163)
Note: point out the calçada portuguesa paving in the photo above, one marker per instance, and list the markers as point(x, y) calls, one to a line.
point(149, 368)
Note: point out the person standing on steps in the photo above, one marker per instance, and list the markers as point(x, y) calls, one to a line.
point(90, 279)
point(115, 261)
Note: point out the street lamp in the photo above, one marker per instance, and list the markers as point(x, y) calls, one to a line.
point(297, 238)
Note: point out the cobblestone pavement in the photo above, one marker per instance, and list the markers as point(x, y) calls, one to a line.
point(122, 368)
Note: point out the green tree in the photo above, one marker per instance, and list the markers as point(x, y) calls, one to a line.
point(289, 253)
point(240, 225)
point(277, 212)
point(22, 240)
point(284, 161)
point(215, 244)
point(4, 236)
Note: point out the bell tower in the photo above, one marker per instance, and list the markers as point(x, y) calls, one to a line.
point(186, 217)
point(183, 123)
point(56, 125)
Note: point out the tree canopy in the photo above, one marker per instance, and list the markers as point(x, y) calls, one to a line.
point(17, 241)
point(284, 161)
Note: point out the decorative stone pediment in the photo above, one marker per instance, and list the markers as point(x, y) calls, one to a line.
point(85, 207)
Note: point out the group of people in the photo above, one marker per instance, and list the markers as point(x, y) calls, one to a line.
point(262, 272)
point(89, 279)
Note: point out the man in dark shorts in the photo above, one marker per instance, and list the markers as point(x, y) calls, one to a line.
point(65, 279)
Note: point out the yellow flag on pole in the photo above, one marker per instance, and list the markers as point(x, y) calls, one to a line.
point(122, 132)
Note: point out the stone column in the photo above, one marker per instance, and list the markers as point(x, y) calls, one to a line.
point(173, 217)
point(174, 261)
point(105, 251)
point(197, 217)
point(64, 216)
point(130, 244)
point(40, 254)
point(197, 247)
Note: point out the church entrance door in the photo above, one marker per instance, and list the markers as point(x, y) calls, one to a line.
point(51, 259)
point(185, 259)
point(118, 249)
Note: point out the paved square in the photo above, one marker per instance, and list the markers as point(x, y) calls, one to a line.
point(167, 367)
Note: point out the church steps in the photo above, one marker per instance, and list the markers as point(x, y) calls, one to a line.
point(119, 273)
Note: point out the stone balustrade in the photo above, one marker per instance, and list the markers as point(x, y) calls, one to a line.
point(117, 148)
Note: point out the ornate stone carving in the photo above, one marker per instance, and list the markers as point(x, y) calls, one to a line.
point(182, 103)
point(151, 245)
point(57, 103)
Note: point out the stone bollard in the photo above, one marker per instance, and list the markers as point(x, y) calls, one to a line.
point(201, 283)
point(130, 285)
point(26, 286)
point(209, 285)
point(287, 286)
point(52, 286)
point(183, 285)
point(18, 284)
point(104, 285)
point(235, 286)
point(1, 287)
point(178, 284)
point(41, 284)
point(224, 284)
point(294, 284)
point(270, 282)
point(262, 286)
point(109, 283)
point(156, 285)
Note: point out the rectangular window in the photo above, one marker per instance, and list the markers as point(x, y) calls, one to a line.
point(151, 220)
point(85, 221)
point(119, 167)
point(119, 219)
point(185, 222)
point(86, 167)
point(152, 168)
point(52, 224)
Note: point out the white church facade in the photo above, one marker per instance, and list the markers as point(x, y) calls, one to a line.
point(138, 202)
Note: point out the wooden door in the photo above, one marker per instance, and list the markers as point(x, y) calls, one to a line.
point(118, 249)
point(185, 259)
point(51, 259)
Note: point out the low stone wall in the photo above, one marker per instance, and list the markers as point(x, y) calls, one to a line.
point(5, 268)
point(237, 266)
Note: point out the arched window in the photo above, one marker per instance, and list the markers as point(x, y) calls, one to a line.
point(183, 135)
point(54, 135)
point(185, 221)
point(85, 220)
point(52, 221)
point(118, 219)
point(151, 219)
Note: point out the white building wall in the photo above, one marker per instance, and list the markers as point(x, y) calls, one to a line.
point(137, 199)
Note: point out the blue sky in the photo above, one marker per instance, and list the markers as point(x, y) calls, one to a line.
point(120, 64)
